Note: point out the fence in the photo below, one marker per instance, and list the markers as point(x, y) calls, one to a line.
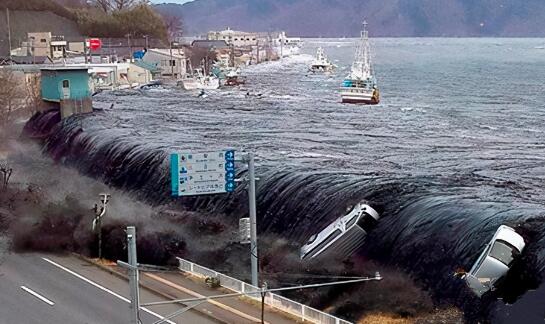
point(294, 308)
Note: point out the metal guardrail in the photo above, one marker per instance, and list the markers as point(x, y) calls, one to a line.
point(305, 313)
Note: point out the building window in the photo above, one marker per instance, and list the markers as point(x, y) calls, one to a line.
point(172, 62)
point(65, 84)
point(43, 40)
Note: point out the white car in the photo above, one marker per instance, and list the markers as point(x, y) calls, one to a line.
point(344, 236)
point(495, 260)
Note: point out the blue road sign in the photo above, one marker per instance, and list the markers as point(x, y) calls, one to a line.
point(202, 173)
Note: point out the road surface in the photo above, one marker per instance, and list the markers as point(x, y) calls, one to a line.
point(36, 288)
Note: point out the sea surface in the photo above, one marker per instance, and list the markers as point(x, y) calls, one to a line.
point(455, 148)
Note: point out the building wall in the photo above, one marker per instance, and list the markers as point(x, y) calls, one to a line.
point(52, 84)
point(235, 38)
point(164, 62)
point(138, 74)
point(40, 44)
point(75, 107)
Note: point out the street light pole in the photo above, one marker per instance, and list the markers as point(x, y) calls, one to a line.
point(97, 221)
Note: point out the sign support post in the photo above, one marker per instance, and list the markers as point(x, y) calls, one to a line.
point(253, 219)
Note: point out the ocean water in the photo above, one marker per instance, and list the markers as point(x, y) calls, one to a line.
point(455, 148)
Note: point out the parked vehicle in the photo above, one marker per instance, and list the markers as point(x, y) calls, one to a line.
point(344, 236)
point(495, 260)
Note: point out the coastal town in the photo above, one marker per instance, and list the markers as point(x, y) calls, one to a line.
point(294, 161)
point(206, 62)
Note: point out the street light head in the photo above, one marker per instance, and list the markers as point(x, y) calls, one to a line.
point(104, 198)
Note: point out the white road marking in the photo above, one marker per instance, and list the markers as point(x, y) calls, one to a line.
point(77, 275)
point(40, 297)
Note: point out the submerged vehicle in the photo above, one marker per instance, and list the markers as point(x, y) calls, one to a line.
point(360, 86)
point(495, 261)
point(344, 236)
point(321, 63)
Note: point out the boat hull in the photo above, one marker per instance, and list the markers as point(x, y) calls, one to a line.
point(363, 97)
point(193, 84)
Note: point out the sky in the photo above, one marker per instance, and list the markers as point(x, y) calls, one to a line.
point(171, 1)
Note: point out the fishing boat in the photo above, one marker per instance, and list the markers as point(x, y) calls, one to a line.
point(360, 86)
point(199, 81)
point(321, 63)
point(233, 78)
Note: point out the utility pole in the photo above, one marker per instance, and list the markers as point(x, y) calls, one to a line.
point(130, 46)
point(257, 56)
point(253, 221)
point(9, 33)
point(133, 275)
point(97, 221)
point(281, 45)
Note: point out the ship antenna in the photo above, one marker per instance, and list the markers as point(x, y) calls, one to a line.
point(364, 31)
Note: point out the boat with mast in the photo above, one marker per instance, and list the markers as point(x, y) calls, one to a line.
point(321, 63)
point(360, 86)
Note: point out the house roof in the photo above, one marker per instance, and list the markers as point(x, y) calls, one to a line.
point(146, 65)
point(26, 60)
point(65, 68)
point(203, 43)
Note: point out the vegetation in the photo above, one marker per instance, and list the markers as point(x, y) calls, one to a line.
point(10, 96)
point(104, 18)
point(137, 21)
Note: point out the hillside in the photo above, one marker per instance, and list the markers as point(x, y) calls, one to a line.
point(23, 21)
point(335, 18)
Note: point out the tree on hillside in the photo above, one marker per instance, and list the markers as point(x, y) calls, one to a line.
point(173, 25)
point(113, 5)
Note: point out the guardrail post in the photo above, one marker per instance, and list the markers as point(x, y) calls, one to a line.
point(191, 267)
point(303, 313)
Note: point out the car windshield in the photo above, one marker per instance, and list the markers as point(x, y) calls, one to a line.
point(503, 251)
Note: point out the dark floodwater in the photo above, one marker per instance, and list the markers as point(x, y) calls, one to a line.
point(455, 149)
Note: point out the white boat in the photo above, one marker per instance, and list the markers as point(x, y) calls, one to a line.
point(360, 86)
point(287, 46)
point(342, 237)
point(321, 63)
point(199, 81)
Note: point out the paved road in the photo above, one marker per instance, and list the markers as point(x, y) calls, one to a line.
point(68, 290)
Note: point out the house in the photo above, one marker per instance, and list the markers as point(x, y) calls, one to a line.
point(171, 62)
point(68, 87)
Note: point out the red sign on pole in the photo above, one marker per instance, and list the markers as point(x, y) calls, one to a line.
point(95, 44)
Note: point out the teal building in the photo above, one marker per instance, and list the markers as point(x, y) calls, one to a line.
point(65, 83)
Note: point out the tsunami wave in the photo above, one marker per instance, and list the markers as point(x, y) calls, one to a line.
point(430, 226)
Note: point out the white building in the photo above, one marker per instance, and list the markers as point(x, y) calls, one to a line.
point(171, 63)
point(235, 38)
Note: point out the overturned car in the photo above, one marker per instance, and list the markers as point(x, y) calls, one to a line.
point(342, 237)
point(495, 260)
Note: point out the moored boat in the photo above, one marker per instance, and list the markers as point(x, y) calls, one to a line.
point(360, 86)
point(321, 63)
point(199, 81)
